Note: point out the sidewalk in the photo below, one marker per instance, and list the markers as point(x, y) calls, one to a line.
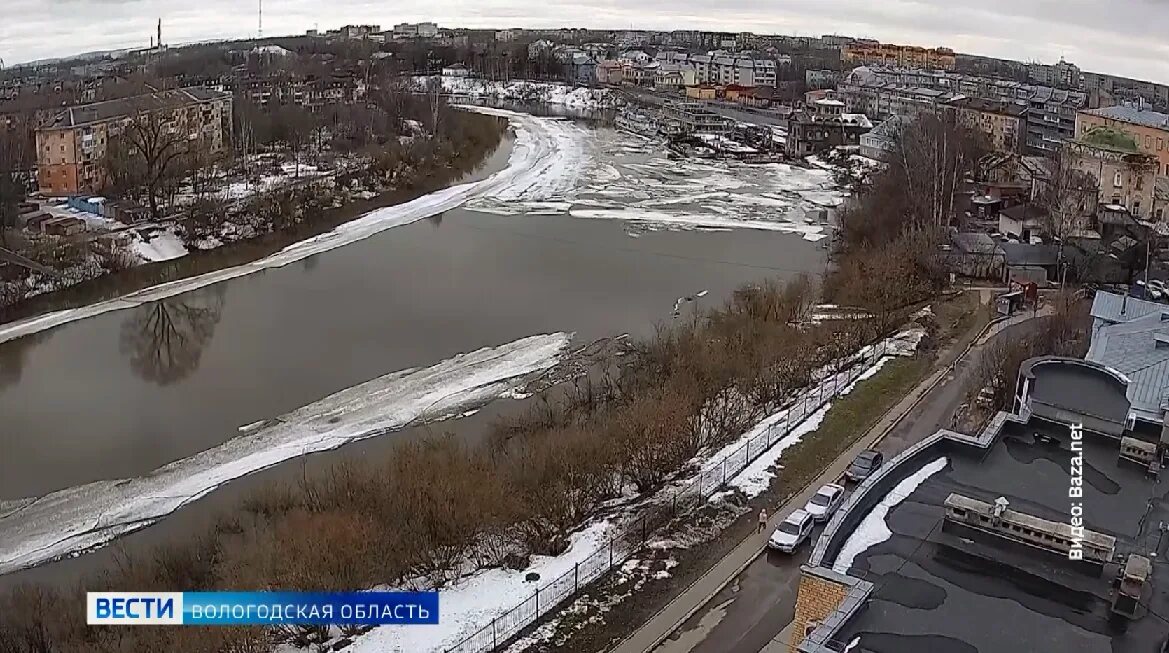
point(665, 622)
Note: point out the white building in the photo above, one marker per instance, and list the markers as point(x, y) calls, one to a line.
point(723, 69)
point(415, 30)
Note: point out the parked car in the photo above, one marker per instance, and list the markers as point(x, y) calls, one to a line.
point(825, 502)
point(792, 532)
point(864, 465)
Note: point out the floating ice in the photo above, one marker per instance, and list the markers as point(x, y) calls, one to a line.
point(83, 517)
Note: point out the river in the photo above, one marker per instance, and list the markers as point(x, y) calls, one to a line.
point(134, 411)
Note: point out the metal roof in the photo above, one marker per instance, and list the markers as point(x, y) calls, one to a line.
point(1139, 349)
point(1114, 308)
point(126, 107)
point(1133, 115)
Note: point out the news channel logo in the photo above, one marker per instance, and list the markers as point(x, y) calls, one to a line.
point(261, 608)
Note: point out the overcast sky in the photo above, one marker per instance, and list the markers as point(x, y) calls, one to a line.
point(1123, 37)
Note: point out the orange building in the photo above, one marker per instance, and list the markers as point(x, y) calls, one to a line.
point(71, 148)
point(903, 56)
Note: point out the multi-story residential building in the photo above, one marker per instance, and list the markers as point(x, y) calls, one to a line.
point(71, 148)
point(1004, 123)
point(1060, 75)
point(1051, 112)
point(724, 69)
point(1126, 176)
point(1108, 90)
point(1051, 117)
point(415, 30)
point(879, 99)
point(1148, 129)
point(907, 56)
point(356, 31)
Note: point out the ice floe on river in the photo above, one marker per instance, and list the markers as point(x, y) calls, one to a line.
point(627, 177)
point(81, 518)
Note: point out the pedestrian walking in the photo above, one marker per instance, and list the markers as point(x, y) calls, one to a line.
point(762, 520)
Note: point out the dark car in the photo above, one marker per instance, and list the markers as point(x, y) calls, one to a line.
point(864, 465)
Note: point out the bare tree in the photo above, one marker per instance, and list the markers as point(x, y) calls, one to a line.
point(15, 160)
point(931, 159)
point(155, 140)
point(1068, 196)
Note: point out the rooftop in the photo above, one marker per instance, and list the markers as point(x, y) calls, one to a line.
point(941, 591)
point(1133, 116)
point(1110, 139)
point(100, 111)
point(1139, 349)
point(999, 107)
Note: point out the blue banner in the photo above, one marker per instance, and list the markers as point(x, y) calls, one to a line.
point(263, 608)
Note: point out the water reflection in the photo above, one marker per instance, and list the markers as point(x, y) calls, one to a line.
point(435, 220)
point(312, 262)
point(13, 355)
point(165, 339)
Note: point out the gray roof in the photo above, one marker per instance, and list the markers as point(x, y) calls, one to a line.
point(125, 107)
point(1024, 254)
point(1139, 349)
point(975, 243)
point(1108, 307)
point(1133, 115)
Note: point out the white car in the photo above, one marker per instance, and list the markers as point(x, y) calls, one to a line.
point(791, 532)
point(825, 502)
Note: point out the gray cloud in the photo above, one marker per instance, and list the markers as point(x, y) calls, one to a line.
point(1121, 37)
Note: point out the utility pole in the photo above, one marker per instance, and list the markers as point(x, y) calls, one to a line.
point(260, 19)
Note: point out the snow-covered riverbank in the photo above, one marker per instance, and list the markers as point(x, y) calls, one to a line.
point(541, 152)
point(80, 518)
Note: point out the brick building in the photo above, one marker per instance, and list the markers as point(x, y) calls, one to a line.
point(71, 147)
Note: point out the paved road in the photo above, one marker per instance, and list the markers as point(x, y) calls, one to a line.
point(751, 610)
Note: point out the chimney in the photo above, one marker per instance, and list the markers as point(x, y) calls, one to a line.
point(159, 33)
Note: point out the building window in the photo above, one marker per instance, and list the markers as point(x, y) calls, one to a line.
point(1117, 180)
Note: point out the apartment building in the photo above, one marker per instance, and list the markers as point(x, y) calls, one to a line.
point(72, 146)
point(1060, 75)
point(415, 30)
point(906, 56)
point(1051, 112)
point(1004, 123)
point(724, 69)
point(1148, 129)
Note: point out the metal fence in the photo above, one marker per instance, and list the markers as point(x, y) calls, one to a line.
point(633, 536)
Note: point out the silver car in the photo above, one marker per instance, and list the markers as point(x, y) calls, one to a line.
point(825, 502)
point(791, 532)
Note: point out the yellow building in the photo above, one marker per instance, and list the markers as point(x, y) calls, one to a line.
point(904, 56)
point(1004, 123)
point(1148, 129)
point(700, 92)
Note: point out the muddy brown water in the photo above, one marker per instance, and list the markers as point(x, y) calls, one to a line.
point(121, 394)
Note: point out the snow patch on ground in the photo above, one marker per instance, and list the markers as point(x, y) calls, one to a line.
point(873, 530)
point(756, 477)
point(83, 517)
point(576, 97)
point(157, 245)
point(472, 602)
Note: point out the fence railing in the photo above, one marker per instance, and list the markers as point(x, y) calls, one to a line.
point(633, 536)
